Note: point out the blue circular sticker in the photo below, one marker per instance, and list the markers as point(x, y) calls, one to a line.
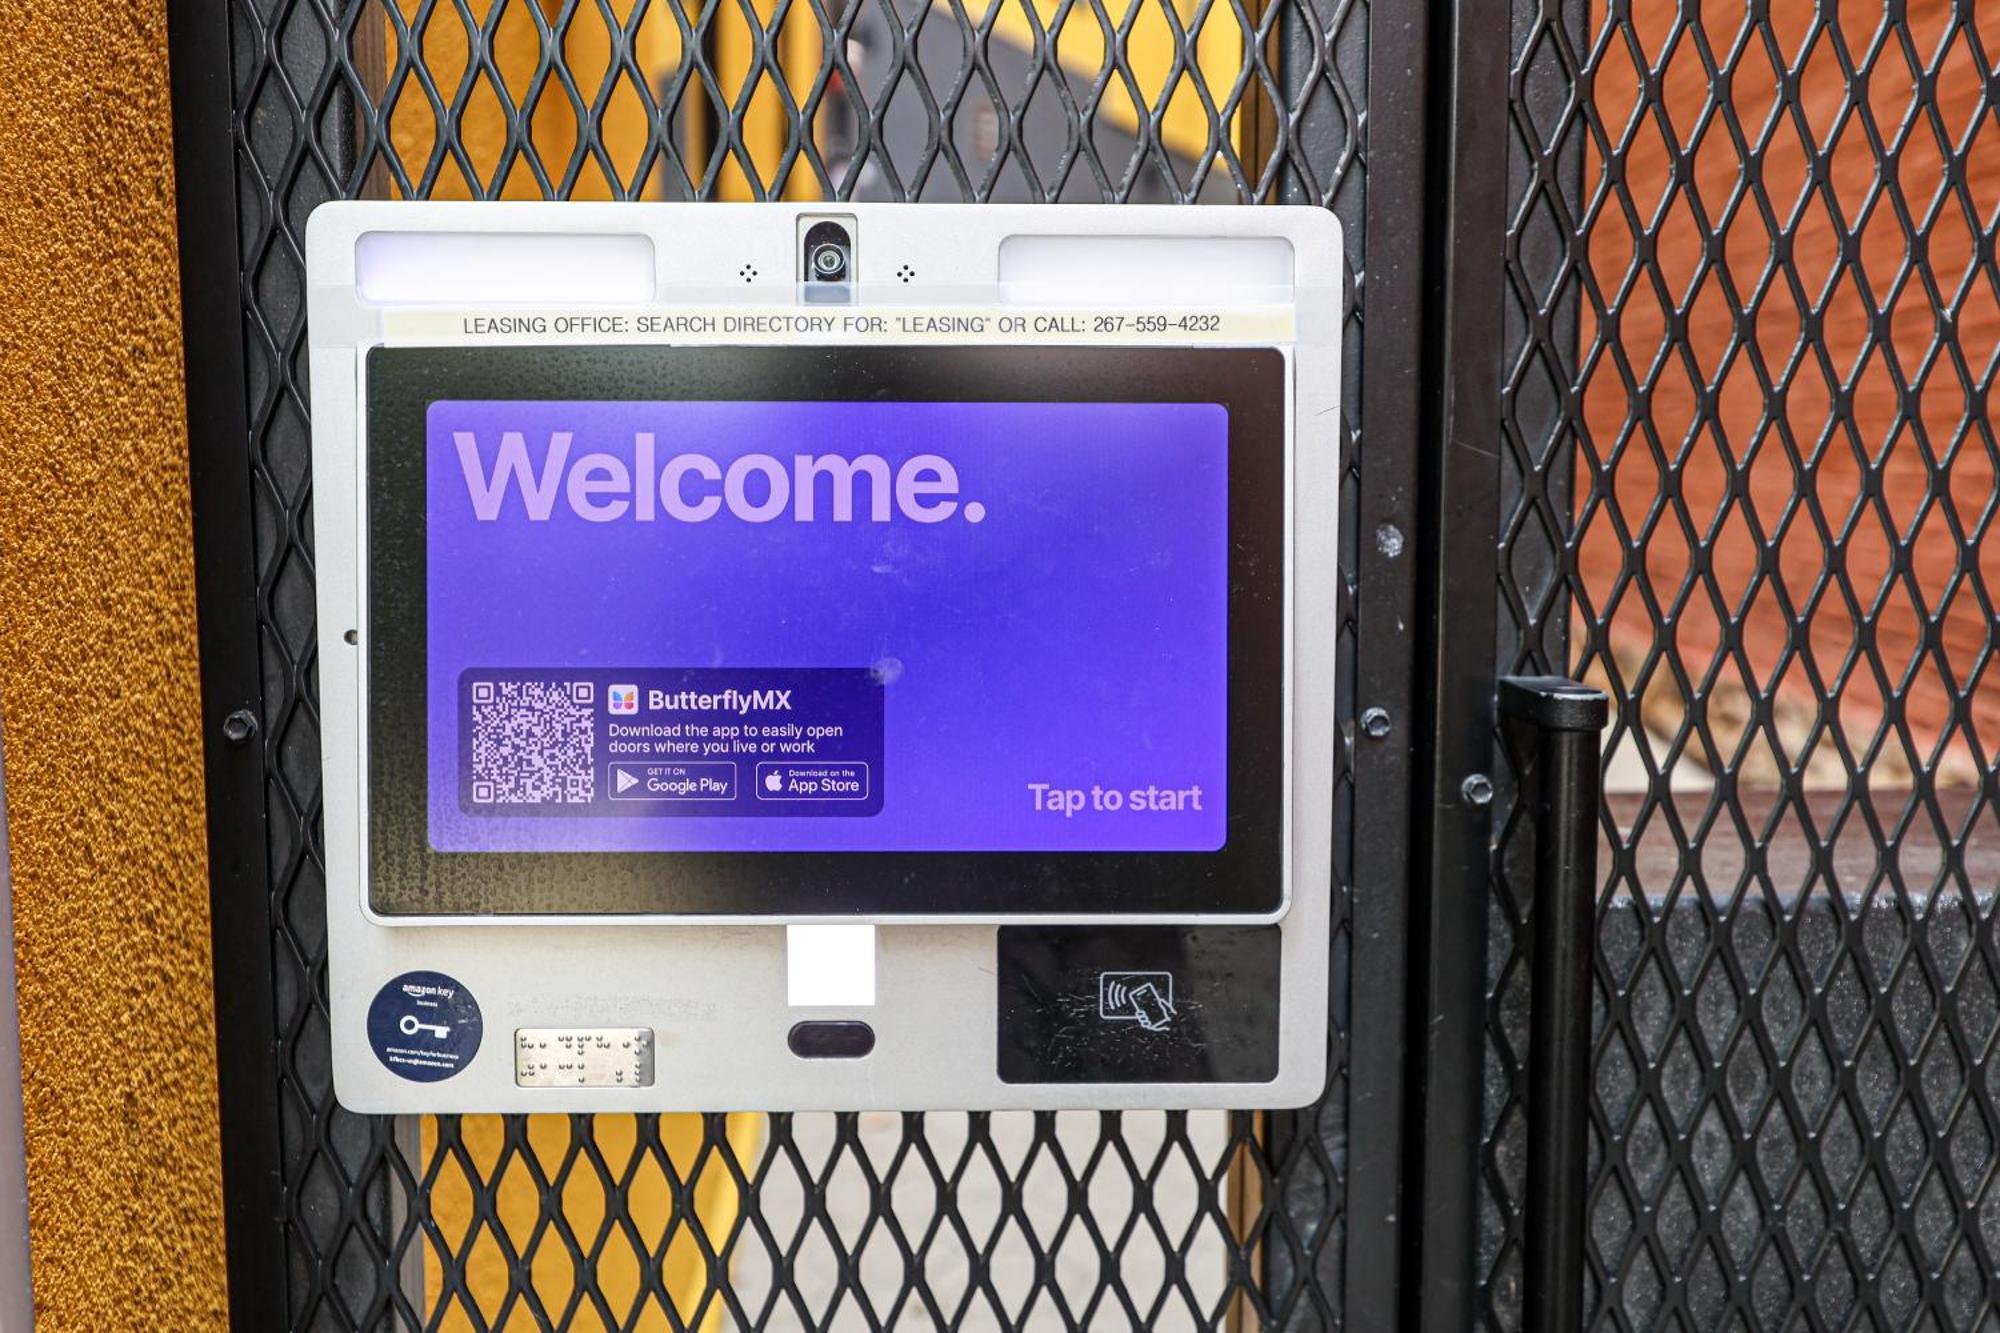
point(424, 1026)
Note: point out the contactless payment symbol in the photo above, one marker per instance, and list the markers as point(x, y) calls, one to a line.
point(424, 1026)
point(622, 698)
point(1145, 998)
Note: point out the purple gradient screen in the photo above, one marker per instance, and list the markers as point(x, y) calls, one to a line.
point(827, 626)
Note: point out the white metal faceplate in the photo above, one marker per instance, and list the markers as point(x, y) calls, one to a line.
point(670, 1013)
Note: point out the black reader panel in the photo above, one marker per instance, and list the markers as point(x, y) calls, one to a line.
point(1138, 1004)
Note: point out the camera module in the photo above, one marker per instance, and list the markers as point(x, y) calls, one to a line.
point(826, 258)
point(829, 261)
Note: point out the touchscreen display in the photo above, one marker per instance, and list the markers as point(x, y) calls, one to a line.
point(869, 626)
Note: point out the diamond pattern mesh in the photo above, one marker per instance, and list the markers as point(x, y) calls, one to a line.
point(1749, 468)
point(1156, 1220)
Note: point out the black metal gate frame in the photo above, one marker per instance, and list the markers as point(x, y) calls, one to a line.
point(1417, 714)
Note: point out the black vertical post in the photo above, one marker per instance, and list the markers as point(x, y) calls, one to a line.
point(1468, 45)
point(220, 451)
point(1567, 718)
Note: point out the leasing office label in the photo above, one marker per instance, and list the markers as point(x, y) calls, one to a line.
point(780, 325)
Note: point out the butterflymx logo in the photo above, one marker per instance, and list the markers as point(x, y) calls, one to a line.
point(622, 698)
point(694, 488)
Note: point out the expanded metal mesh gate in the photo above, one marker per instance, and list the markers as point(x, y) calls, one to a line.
point(1675, 374)
point(1749, 484)
point(1140, 1220)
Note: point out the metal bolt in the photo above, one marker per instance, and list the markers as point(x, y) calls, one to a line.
point(1477, 789)
point(239, 726)
point(1375, 722)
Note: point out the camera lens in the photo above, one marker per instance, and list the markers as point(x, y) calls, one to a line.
point(828, 253)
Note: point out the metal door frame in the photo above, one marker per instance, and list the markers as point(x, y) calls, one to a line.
point(1443, 130)
point(1418, 719)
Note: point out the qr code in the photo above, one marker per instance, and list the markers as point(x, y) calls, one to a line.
point(534, 742)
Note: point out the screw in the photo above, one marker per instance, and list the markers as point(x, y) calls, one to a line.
point(1375, 722)
point(1477, 789)
point(239, 726)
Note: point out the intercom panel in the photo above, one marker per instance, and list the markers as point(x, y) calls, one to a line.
point(778, 658)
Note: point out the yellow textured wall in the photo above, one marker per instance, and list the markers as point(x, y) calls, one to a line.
point(98, 684)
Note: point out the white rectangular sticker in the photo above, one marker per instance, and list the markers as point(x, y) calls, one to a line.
point(785, 325)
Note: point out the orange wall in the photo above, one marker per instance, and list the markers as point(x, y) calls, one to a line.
point(98, 684)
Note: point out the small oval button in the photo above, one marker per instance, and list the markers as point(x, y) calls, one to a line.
point(842, 1039)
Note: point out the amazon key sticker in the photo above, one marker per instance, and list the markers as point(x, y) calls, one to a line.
point(424, 1026)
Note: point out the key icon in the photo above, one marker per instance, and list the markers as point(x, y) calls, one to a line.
point(412, 1025)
